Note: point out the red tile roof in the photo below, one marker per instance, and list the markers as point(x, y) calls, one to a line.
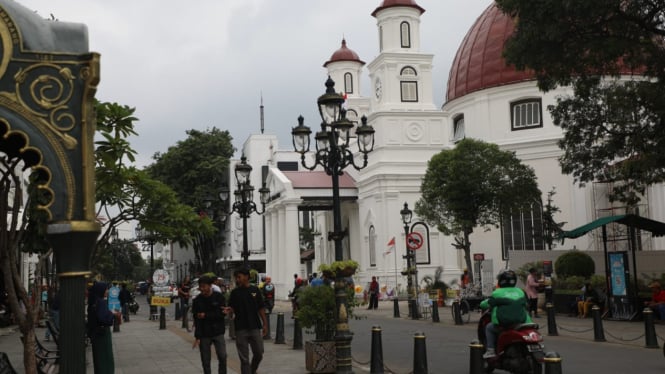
point(317, 179)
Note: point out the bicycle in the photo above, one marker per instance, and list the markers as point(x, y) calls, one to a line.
point(469, 300)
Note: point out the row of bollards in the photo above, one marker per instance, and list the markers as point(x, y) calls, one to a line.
point(552, 360)
point(419, 353)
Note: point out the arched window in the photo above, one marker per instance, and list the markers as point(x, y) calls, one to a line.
point(409, 84)
point(348, 83)
point(458, 128)
point(405, 34)
point(372, 246)
point(522, 230)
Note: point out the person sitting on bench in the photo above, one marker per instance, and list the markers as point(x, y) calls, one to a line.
point(590, 298)
point(657, 302)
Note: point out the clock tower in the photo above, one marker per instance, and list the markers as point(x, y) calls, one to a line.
point(410, 129)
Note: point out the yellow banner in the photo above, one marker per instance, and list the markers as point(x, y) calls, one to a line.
point(160, 301)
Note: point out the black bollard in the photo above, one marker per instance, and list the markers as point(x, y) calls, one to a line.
point(116, 323)
point(376, 361)
point(435, 311)
point(184, 315)
point(413, 309)
point(457, 315)
point(395, 308)
point(268, 337)
point(476, 360)
point(598, 333)
point(177, 311)
point(419, 354)
point(551, 320)
point(162, 318)
point(297, 334)
point(552, 363)
point(279, 332)
point(649, 329)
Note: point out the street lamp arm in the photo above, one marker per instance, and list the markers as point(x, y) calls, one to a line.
point(349, 159)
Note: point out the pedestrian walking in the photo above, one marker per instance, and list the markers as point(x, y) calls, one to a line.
point(531, 289)
point(246, 306)
point(209, 309)
point(373, 294)
point(183, 293)
point(99, 320)
point(54, 313)
point(125, 297)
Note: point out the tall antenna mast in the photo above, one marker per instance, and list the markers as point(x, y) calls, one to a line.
point(262, 119)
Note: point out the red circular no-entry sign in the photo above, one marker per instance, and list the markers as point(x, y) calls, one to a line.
point(414, 240)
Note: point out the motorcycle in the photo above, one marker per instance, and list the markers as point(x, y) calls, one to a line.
point(132, 304)
point(518, 350)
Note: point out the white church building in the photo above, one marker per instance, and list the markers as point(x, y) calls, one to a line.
point(486, 100)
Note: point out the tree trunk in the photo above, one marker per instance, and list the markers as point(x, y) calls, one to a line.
point(467, 254)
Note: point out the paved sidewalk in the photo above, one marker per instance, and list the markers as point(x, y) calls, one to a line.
point(140, 347)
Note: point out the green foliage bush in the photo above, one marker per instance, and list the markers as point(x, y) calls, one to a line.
point(574, 263)
point(317, 310)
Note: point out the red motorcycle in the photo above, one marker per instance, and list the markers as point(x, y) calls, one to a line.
point(519, 350)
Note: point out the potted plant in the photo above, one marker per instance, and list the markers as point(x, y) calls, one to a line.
point(435, 287)
point(317, 311)
point(344, 268)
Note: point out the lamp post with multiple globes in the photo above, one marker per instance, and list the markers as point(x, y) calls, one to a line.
point(334, 154)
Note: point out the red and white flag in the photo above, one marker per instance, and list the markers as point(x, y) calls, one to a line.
point(391, 246)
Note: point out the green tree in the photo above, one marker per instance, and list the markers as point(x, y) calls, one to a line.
point(613, 130)
point(125, 193)
point(470, 186)
point(196, 168)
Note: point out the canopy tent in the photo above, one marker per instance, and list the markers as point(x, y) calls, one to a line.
point(655, 227)
point(633, 222)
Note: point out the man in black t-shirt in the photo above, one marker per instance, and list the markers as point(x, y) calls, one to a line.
point(246, 305)
point(208, 310)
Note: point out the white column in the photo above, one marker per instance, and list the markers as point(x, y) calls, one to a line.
point(268, 239)
point(291, 249)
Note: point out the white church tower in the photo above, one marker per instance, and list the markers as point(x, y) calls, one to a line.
point(410, 129)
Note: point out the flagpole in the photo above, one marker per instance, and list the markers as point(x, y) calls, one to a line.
point(396, 290)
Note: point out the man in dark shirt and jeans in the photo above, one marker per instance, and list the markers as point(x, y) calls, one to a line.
point(209, 309)
point(246, 304)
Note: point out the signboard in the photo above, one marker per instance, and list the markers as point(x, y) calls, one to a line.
point(160, 301)
point(414, 240)
point(618, 273)
point(478, 256)
point(160, 277)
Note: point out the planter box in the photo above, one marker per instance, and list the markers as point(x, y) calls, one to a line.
point(320, 356)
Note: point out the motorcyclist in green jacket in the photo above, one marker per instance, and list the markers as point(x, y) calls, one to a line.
point(509, 308)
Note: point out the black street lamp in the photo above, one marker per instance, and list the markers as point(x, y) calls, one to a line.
point(334, 154)
point(115, 239)
point(244, 201)
point(148, 236)
point(407, 214)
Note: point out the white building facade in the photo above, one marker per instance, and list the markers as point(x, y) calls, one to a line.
point(486, 100)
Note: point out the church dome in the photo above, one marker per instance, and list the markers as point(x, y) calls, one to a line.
point(344, 54)
point(392, 3)
point(478, 63)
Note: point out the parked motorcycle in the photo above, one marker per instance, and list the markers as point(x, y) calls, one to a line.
point(133, 305)
point(518, 350)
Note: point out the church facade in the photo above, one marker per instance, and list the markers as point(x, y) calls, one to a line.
point(486, 100)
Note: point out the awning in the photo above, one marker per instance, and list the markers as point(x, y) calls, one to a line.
point(307, 255)
point(655, 227)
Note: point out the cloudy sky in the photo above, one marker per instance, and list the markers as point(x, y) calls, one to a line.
point(204, 63)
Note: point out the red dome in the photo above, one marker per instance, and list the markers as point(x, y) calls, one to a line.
point(392, 3)
point(344, 54)
point(478, 63)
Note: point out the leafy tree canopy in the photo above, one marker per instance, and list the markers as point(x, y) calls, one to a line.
point(614, 131)
point(470, 186)
point(195, 167)
point(125, 193)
